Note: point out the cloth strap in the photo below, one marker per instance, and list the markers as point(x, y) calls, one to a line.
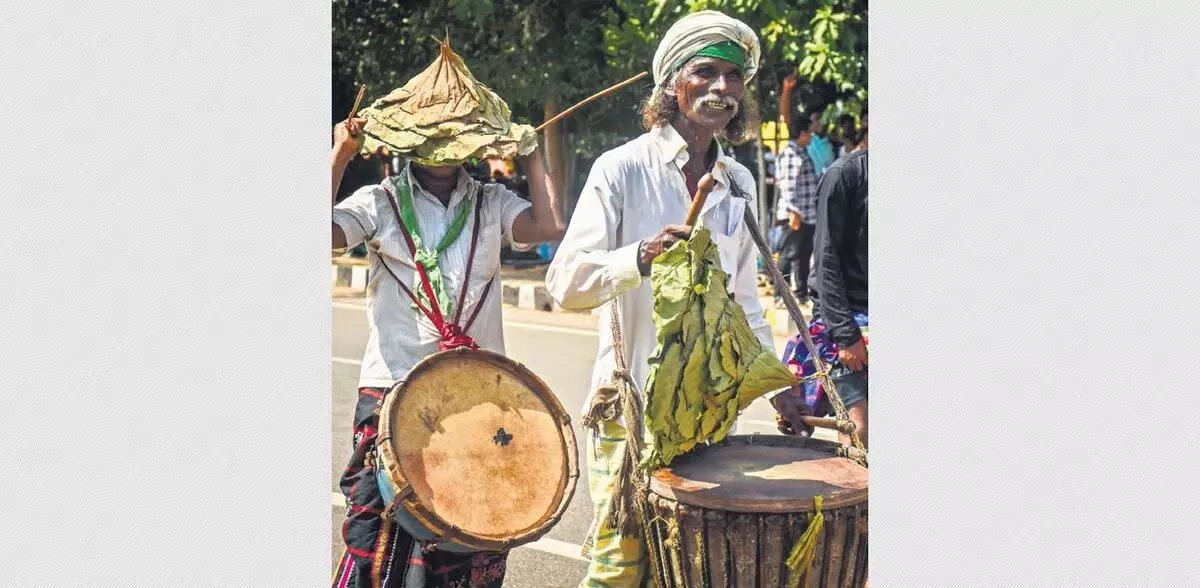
point(452, 335)
point(631, 491)
point(429, 258)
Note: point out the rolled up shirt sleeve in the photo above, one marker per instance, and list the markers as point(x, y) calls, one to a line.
point(358, 214)
point(511, 206)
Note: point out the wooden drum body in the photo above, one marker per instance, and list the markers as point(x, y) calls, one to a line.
point(476, 453)
point(730, 514)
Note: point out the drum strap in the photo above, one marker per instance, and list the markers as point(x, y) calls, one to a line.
point(452, 335)
point(626, 513)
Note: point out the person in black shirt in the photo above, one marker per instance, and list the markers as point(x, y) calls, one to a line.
point(838, 284)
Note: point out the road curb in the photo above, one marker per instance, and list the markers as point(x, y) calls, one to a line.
point(533, 296)
point(518, 293)
point(351, 276)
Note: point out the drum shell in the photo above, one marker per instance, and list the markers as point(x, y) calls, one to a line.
point(696, 546)
point(408, 522)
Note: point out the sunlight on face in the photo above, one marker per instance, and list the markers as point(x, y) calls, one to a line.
point(708, 91)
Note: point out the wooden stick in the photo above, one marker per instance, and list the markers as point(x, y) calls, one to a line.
point(589, 99)
point(361, 91)
point(703, 187)
point(819, 422)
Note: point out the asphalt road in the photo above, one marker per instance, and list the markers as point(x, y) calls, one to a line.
point(560, 348)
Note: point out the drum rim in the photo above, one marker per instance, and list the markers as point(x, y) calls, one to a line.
point(845, 498)
point(407, 497)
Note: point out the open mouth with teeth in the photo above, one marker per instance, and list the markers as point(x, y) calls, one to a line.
point(715, 105)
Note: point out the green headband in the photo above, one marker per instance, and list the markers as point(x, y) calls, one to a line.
point(727, 50)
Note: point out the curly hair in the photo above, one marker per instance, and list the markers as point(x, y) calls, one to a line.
point(661, 107)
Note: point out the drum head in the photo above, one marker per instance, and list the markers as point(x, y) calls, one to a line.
point(763, 473)
point(485, 445)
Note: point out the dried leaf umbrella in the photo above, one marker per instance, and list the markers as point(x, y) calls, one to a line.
point(444, 116)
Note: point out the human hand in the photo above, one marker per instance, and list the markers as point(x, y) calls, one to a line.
point(348, 137)
point(656, 245)
point(789, 410)
point(854, 356)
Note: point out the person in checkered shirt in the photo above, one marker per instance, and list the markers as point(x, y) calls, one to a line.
point(796, 182)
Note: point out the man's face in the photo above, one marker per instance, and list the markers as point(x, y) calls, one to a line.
point(804, 138)
point(708, 92)
point(440, 172)
point(814, 123)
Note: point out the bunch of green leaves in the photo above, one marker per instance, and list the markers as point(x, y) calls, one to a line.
point(708, 365)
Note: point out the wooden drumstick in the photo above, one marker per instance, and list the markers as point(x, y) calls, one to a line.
point(703, 187)
point(585, 101)
point(361, 90)
point(820, 423)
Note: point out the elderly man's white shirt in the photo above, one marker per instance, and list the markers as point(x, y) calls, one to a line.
point(632, 192)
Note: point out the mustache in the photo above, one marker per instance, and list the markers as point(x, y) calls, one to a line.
point(716, 101)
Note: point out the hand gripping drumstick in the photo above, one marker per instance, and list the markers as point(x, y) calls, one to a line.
point(819, 422)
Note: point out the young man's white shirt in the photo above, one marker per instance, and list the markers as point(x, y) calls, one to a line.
point(399, 336)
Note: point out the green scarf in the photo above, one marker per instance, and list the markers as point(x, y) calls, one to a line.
point(427, 258)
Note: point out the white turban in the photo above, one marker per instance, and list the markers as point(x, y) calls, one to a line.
point(698, 30)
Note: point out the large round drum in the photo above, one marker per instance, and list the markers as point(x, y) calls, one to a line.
point(730, 514)
point(476, 453)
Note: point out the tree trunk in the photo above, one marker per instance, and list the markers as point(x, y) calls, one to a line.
point(763, 205)
point(571, 167)
point(552, 139)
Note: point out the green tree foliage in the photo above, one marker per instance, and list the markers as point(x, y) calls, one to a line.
point(536, 51)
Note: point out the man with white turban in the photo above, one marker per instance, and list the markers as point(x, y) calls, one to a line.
point(630, 211)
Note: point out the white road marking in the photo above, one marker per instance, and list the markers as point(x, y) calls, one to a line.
point(545, 544)
point(550, 328)
point(559, 548)
point(346, 361)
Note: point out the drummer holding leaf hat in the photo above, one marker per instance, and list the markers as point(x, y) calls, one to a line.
point(434, 236)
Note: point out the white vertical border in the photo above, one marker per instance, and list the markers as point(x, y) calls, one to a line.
point(167, 312)
point(1033, 293)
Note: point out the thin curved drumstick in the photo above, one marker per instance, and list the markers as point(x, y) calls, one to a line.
point(589, 99)
point(361, 91)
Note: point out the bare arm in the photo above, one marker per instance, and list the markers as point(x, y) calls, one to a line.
point(347, 140)
point(544, 221)
point(785, 99)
